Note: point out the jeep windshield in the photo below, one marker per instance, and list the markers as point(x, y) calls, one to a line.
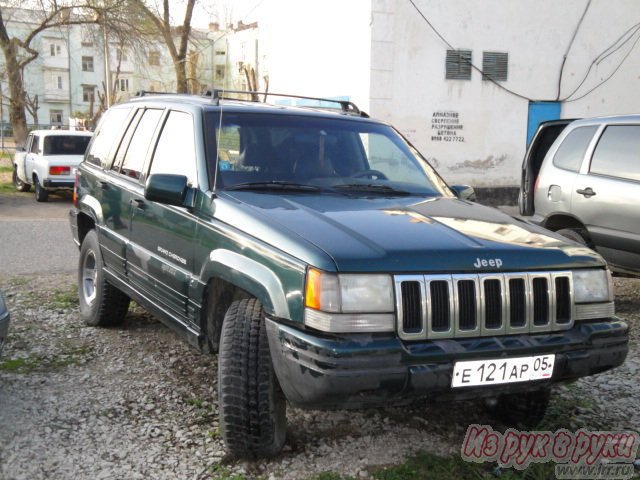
point(306, 154)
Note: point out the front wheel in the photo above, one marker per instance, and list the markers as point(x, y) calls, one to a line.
point(575, 234)
point(101, 304)
point(19, 184)
point(523, 409)
point(42, 195)
point(252, 406)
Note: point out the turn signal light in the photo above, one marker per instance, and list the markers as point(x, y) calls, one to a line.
point(59, 170)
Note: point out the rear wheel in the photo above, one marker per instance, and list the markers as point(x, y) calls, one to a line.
point(19, 184)
point(42, 195)
point(252, 406)
point(101, 304)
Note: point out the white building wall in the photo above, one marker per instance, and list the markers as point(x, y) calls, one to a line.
point(316, 48)
point(408, 83)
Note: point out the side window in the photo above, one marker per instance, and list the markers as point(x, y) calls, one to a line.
point(27, 143)
point(137, 151)
point(106, 136)
point(35, 145)
point(175, 152)
point(571, 152)
point(618, 152)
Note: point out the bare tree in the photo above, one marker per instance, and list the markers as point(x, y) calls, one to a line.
point(19, 52)
point(32, 106)
point(162, 22)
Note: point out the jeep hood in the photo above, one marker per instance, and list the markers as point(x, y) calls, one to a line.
point(409, 234)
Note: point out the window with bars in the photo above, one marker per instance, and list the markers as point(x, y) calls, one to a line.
point(495, 66)
point(458, 65)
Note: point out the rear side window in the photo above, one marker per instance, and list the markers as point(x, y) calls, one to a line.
point(618, 152)
point(65, 145)
point(571, 152)
point(107, 135)
point(176, 152)
point(137, 151)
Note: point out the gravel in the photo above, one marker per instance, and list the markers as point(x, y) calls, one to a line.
point(136, 402)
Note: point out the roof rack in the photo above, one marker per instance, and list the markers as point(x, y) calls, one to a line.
point(143, 93)
point(345, 105)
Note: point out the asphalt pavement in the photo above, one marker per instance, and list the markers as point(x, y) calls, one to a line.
point(35, 237)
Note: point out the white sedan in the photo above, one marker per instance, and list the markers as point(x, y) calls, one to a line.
point(49, 160)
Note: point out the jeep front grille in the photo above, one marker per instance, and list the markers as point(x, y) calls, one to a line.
point(465, 305)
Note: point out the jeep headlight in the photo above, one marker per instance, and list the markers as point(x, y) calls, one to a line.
point(592, 286)
point(349, 302)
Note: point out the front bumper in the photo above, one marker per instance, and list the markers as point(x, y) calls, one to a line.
point(58, 184)
point(4, 328)
point(352, 370)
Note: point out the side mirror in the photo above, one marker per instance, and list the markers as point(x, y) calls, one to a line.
point(464, 192)
point(168, 189)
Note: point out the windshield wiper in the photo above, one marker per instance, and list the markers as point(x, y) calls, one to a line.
point(371, 188)
point(275, 185)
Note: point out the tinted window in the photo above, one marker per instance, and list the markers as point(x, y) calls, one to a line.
point(618, 152)
point(65, 145)
point(137, 151)
point(570, 154)
point(175, 152)
point(107, 135)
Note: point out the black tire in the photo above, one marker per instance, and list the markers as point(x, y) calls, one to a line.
point(252, 406)
point(42, 195)
point(574, 234)
point(101, 304)
point(523, 409)
point(19, 184)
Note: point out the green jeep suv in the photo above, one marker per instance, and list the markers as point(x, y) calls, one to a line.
point(327, 264)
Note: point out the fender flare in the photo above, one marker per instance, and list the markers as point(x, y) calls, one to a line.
point(91, 206)
point(251, 276)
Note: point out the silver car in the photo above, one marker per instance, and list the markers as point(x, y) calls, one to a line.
point(582, 179)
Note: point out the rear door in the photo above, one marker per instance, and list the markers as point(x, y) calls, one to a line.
point(160, 254)
point(544, 137)
point(606, 194)
point(32, 155)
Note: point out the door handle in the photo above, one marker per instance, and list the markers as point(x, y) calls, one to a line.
point(587, 192)
point(104, 185)
point(139, 203)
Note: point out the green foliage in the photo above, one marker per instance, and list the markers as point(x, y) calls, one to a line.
point(427, 465)
point(220, 472)
point(25, 365)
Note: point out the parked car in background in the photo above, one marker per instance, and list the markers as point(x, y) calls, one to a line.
point(4, 321)
point(585, 185)
point(48, 161)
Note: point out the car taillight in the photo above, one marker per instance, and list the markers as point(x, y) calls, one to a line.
point(59, 170)
point(75, 189)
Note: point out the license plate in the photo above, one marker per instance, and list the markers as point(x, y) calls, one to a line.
point(504, 370)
